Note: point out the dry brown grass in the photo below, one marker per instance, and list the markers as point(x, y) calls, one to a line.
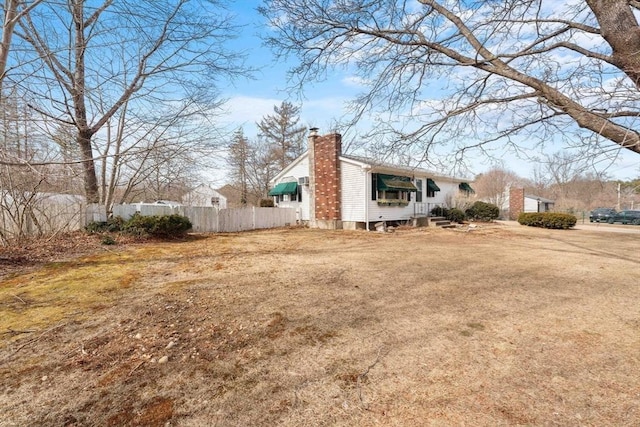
point(298, 327)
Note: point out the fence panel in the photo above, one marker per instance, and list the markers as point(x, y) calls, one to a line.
point(274, 217)
point(234, 220)
point(204, 219)
point(95, 213)
point(41, 214)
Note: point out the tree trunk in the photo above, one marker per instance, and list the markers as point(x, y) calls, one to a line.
point(88, 166)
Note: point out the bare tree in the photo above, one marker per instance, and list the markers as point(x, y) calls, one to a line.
point(13, 11)
point(493, 185)
point(565, 170)
point(471, 75)
point(240, 154)
point(282, 133)
point(82, 62)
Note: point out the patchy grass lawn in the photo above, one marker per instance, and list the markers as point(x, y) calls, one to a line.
point(298, 327)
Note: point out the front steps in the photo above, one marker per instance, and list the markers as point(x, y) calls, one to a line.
point(439, 221)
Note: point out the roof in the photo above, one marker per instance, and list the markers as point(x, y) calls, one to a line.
point(386, 166)
point(379, 166)
point(542, 199)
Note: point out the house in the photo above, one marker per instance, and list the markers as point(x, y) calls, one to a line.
point(332, 190)
point(520, 201)
point(205, 195)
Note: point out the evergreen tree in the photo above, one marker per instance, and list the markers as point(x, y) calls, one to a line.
point(282, 133)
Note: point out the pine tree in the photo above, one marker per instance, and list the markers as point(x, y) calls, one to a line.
point(285, 138)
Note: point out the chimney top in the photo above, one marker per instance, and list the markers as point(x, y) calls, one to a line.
point(313, 131)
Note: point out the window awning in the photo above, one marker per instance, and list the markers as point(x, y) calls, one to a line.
point(431, 185)
point(395, 183)
point(466, 187)
point(284, 188)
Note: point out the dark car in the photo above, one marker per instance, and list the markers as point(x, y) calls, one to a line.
point(626, 217)
point(601, 214)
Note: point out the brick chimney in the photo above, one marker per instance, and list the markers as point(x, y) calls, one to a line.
point(324, 180)
point(516, 202)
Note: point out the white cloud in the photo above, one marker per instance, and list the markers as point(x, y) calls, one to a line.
point(245, 111)
point(241, 110)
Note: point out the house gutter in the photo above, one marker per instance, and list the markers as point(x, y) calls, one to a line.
point(367, 183)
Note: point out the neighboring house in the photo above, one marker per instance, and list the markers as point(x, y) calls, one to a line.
point(204, 195)
point(519, 201)
point(332, 190)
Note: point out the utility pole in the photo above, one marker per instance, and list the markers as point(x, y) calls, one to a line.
point(618, 206)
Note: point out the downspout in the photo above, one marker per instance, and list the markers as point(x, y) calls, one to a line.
point(367, 190)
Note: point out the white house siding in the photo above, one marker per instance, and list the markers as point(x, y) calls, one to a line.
point(299, 170)
point(447, 191)
point(390, 213)
point(354, 186)
point(530, 205)
point(201, 196)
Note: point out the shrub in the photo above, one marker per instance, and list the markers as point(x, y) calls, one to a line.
point(111, 225)
point(440, 211)
point(158, 225)
point(547, 220)
point(141, 226)
point(266, 203)
point(483, 211)
point(107, 239)
point(456, 215)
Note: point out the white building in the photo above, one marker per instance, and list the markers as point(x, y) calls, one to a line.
point(332, 190)
point(205, 195)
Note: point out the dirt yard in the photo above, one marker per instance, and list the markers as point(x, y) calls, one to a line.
point(296, 327)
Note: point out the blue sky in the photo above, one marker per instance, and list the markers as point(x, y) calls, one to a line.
point(322, 102)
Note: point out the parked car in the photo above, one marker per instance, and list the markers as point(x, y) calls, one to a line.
point(601, 214)
point(626, 217)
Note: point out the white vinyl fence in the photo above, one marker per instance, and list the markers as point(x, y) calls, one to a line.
point(24, 215)
point(48, 214)
point(205, 219)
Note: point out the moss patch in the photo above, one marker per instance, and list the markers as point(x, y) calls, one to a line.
point(63, 290)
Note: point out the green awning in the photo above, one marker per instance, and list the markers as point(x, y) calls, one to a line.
point(431, 185)
point(284, 188)
point(395, 183)
point(466, 187)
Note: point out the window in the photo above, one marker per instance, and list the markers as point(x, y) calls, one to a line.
point(419, 192)
point(393, 198)
point(391, 190)
point(374, 186)
point(466, 189)
point(431, 188)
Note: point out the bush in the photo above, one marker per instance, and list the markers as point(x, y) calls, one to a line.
point(483, 211)
point(266, 203)
point(440, 211)
point(547, 220)
point(111, 225)
point(107, 239)
point(158, 225)
point(138, 225)
point(456, 215)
